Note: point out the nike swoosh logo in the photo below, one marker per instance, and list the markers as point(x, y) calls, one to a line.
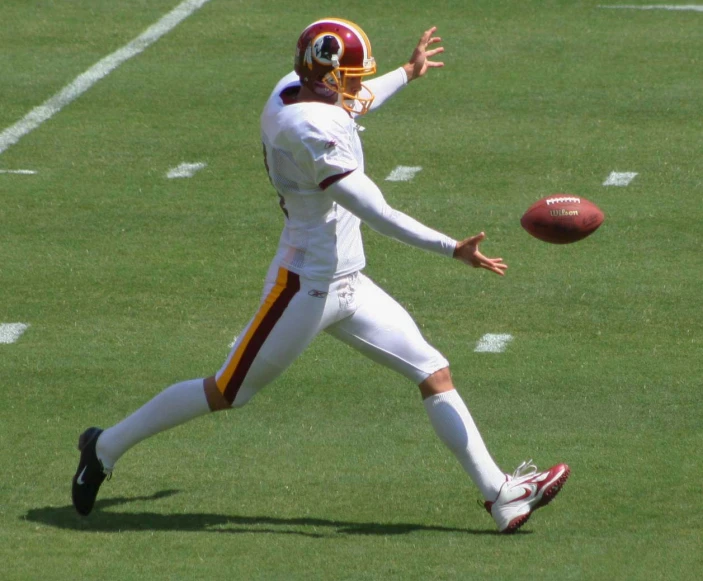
point(530, 489)
point(80, 480)
point(527, 489)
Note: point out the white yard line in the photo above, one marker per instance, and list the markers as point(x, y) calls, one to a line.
point(493, 343)
point(102, 68)
point(620, 178)
point(185, 170)
point(26, 172)
point(403, 173)
point(10, 332)
point(682, 7)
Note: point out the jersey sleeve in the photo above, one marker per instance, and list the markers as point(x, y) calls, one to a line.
point(362, 197)
point(329, 151)
point(385, 86)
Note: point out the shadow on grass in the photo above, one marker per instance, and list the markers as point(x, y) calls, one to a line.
point(65, 517)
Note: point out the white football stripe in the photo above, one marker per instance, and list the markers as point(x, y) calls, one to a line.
point(620, 178)
point(104, 67)
point(26, 172)
point(185, 170)
point(403, 173)
point(493, 343)
point(10, 332)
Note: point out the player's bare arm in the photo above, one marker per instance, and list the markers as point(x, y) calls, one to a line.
point(420, 60)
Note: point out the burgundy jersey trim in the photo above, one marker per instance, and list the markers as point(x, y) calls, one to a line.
point(289, 95)
point(326, 183)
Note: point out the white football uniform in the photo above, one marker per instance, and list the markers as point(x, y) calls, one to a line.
point(315, 161)
point(306, 144)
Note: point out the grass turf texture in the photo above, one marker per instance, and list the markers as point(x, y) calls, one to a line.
point(131, 281)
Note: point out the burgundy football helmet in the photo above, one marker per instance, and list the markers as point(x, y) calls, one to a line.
point(330, 52)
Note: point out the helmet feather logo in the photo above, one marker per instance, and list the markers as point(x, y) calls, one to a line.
point(328, 49)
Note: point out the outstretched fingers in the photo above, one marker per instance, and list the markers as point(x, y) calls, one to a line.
point(467, 251)
point(434, 52)
point(420, 61)
point(426, 41)
point(427, 35)
point(494, 265)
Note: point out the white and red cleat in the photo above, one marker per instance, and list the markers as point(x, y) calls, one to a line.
point(524, 492)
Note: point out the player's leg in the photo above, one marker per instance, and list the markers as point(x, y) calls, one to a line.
point(384, 331)
point(455, 426)
point(517, 496)
point(287, 320)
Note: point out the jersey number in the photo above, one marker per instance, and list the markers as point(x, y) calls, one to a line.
point(281, 199)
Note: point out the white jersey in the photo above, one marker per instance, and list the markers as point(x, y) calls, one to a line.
point(306, 144)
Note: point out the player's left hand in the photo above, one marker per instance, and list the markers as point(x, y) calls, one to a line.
point(419, 62)
point(467, 251)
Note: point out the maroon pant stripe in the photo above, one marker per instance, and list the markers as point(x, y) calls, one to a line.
point(260, 335)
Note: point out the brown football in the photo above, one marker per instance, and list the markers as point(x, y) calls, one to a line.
point(562, 218)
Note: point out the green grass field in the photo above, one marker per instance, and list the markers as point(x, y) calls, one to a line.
point(131, 281)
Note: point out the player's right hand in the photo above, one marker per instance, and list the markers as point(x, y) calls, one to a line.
point(467, 251)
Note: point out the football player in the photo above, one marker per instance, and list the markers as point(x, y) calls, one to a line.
point(314, 159)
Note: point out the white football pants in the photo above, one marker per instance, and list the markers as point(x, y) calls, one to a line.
point(294, 310)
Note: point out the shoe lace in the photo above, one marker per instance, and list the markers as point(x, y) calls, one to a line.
point(527, 468)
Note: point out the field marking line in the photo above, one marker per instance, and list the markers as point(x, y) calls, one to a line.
point(403, 173)
point(102, 68)
point(26, 172)
point(493, 343)
point(620, 178)
point(682, 7)
point(185, 170)
point(10, 332)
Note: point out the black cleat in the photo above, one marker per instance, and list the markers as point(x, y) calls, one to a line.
point(90, 473)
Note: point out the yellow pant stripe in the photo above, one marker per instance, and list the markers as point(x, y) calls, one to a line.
point(281, 282)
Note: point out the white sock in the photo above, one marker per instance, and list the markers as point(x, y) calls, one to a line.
point(173, 406)
point(454, 425)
